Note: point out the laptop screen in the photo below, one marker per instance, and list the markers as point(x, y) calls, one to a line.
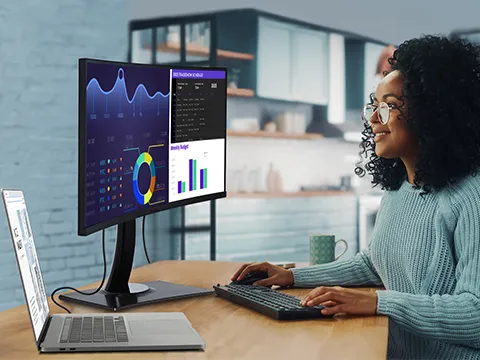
point(26, 253)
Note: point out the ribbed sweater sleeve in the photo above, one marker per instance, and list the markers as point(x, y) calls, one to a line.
point(355, 271)
point(451, 318)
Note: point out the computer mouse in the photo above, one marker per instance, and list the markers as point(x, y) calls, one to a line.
point(251, 277)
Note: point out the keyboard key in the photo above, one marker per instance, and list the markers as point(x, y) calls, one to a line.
point(67, 325)
point(75, 331)
point(87, 330)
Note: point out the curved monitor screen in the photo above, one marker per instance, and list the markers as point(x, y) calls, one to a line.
point(151, 138)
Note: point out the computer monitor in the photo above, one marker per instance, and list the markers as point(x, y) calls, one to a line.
point(151, 138)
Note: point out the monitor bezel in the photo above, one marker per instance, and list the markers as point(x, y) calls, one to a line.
point(84, 230)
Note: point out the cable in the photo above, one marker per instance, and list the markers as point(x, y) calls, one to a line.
point(81, 292)
point(143, 237)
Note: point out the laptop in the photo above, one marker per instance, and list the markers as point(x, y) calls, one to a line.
point(93, 332)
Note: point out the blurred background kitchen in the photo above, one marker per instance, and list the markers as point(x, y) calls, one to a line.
point(296, 92)
point(299, 74)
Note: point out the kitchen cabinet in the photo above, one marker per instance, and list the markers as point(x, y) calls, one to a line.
point(292, 62)
point(309, 73)
point(267, 56)
point(274, 60)
point(141, 44)
point(167, 44)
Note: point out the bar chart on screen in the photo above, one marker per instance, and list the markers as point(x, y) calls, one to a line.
point(196, 168)
point(193, 180)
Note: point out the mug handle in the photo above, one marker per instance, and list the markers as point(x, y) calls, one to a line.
point(346, 247)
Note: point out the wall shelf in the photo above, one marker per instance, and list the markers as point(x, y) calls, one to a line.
point(265, 195)
point(275, 135)
point(199, 50)
point(240, 92)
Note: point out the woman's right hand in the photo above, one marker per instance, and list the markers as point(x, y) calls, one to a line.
point(276, 274)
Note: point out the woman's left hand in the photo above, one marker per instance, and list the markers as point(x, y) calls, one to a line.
point(342, 300)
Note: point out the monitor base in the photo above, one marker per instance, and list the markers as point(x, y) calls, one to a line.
point(136, 288)
point(158, 291)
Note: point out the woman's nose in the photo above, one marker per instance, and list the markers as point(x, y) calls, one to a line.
point(374, 117)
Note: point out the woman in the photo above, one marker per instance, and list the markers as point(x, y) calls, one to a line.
point(422, 145)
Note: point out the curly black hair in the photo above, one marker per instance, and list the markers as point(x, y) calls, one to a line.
point(442, 92)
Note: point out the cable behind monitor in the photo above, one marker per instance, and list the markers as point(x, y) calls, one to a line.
point(143, 237)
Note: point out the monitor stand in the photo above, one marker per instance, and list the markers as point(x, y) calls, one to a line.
point(118, 293)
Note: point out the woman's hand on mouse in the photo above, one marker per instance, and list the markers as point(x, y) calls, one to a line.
point(276, 274)
point(337, 299)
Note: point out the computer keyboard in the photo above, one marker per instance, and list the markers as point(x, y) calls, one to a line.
point(96, 329)
point(269, 302)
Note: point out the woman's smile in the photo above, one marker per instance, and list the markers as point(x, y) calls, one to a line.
point(380, 135)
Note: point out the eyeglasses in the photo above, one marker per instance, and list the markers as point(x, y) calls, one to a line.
point(383, 112)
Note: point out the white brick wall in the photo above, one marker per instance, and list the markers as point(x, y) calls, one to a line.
point(40, 43)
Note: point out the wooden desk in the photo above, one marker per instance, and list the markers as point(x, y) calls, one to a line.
point(230, 331)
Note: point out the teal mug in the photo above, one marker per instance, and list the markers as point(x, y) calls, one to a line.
point(322, 249)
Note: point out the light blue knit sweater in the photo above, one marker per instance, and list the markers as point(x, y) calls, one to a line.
point(425, 251)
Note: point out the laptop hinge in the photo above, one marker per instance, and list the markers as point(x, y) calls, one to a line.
point(43, 333)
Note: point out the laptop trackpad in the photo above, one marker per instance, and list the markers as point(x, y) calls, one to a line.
point(156, 327)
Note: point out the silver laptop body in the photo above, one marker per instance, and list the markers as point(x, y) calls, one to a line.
point(93, 332)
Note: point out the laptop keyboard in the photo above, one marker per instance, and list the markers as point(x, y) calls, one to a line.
point(96, 329)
